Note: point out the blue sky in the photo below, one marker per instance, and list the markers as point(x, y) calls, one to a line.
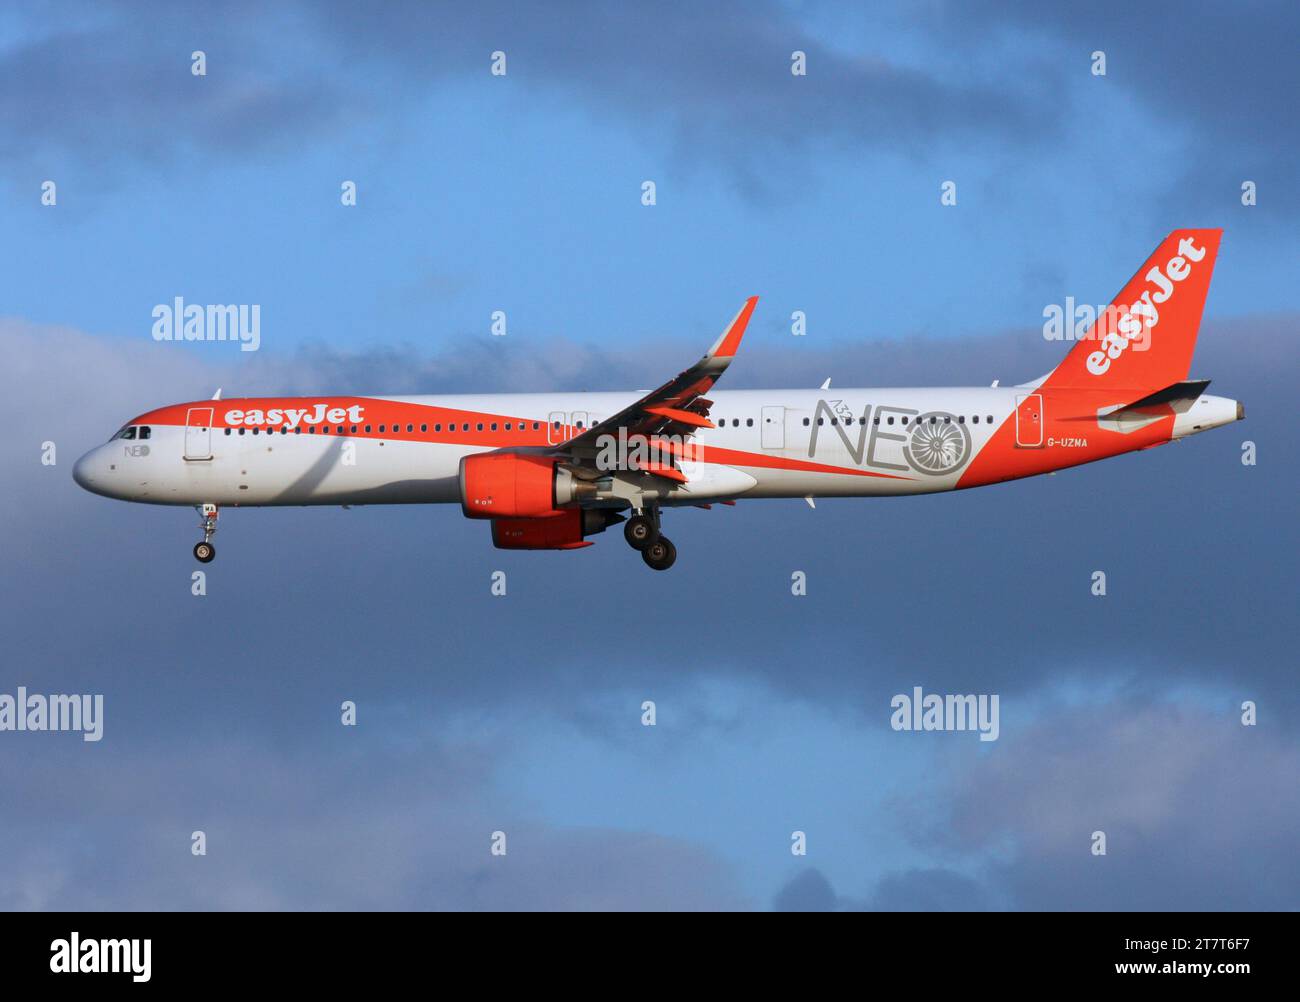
point(479, 193)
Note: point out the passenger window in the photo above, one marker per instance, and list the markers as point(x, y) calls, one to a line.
point(805, 422)
point(424, 427)
point(890, 420)
point(507, 426)
point(904, 421)
point(749, 422)
point(821, 421)
point(241, 431)
point(536, 425)
point(988, 419)
point(227, 431)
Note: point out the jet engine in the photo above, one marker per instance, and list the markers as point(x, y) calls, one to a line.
point(517, 485)
point(562, 531)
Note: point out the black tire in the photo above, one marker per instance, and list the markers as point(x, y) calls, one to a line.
point(660, 555)
point(204, 552)
point(640, 532)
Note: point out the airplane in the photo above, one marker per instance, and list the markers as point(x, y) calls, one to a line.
point(548, 470)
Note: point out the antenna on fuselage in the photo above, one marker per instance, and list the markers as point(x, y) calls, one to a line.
point(217, 395)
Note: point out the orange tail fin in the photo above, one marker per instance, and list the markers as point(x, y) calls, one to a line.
point(1145, 340)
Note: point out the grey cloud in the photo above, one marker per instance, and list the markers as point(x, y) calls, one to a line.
point(1195, 807)
point(102, 85)
point(713, 80)
point(1213, 79)
point(928, 890)
point(714, 77)
point(1199, 814)
point(809, 891)
point(355, 822)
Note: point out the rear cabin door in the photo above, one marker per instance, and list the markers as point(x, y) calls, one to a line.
point(1029, 421)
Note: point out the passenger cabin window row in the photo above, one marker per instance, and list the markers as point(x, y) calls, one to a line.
point(961, 419)
point(384, 429)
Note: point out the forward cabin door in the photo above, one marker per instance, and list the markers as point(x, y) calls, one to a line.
point(198, 433)
point(773, 422)
point(1029, 421)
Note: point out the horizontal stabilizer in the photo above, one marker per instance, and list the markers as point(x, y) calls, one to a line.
point(1188, 389)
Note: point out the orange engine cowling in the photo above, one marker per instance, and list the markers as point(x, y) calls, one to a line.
point(558, 532)
point(509, 485)
point(564, 531)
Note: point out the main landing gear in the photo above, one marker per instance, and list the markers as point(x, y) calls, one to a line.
point(205, 551)
point(642, 534)
point(660, 555)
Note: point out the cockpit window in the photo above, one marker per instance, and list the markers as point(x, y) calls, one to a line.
point(129, 433)
point(145, 431)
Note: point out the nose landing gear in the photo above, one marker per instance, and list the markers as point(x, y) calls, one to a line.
point(205, 551)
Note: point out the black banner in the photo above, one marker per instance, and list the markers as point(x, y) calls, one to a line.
point(337, 950)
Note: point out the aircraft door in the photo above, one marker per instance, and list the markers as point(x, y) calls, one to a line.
point(198, 433)
point(555, 422)
point(773, 422)
point(1029, 421)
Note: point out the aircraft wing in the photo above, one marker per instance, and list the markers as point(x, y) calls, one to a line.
point(678, 408)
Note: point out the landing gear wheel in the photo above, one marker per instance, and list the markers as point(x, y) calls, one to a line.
point(660, 554)
point(204, 552)
point(640, 532)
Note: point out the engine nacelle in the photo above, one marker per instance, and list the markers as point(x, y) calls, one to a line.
point(507, 484)
point(562, 531)
point(518, 485)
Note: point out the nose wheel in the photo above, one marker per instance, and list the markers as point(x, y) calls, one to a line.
point(205, 551)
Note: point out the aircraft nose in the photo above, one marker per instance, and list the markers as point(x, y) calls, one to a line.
point(83, 471)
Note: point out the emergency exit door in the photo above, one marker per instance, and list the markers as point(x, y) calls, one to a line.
point(773, 422)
